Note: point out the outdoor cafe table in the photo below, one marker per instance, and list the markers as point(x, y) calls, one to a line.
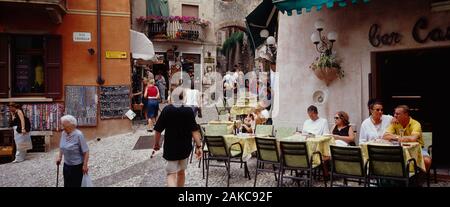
point(320, 144)
point(410, 150)
point(228, 123)
point(246, 140)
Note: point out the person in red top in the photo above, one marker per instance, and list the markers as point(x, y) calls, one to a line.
point(152, 95)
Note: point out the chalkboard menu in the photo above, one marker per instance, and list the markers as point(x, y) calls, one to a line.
point(114, 101)
point(81, 102)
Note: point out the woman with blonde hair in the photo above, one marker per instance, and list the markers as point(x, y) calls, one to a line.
point(261, 114)
point(152, 95)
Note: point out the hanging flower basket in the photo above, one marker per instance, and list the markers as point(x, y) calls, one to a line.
point(327, 68)
point(326, 74)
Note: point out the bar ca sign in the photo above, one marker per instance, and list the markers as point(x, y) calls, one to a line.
point(437, 34)
point(376, 39)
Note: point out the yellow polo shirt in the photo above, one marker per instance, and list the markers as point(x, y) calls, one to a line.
point(413, 127)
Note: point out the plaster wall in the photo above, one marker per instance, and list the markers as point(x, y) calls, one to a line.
point(352, 23)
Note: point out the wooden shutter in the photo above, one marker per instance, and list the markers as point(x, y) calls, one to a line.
point(4, 73)
point(189, 10)
point(53, 66)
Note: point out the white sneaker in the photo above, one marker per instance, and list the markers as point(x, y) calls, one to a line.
point(16, 160)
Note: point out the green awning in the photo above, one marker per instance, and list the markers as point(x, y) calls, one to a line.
point(264, 16)
point(157, 8)
point(286, 6)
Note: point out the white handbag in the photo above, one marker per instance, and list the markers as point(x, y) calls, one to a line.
point(86, 182)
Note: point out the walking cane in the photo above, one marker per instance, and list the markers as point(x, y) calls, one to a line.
point(153, 153)
point(57, 174)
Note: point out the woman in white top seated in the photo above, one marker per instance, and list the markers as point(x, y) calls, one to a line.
point(374, 127)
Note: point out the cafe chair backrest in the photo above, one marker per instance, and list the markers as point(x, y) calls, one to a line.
point(427, 139)
point(282, 132)
point(216, 129)
point(295, 154)
point(347, 160)
point(267, 149)
point(264, 130)
point(386, 161)
point(216, 146)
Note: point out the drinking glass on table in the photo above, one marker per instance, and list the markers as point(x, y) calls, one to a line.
point(238, 126)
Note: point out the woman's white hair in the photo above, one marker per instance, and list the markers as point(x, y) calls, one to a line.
point(69, 118)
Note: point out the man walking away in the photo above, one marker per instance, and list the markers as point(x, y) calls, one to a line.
point(180, 127)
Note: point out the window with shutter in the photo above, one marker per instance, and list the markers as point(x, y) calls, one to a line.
point(53, 63)
point(189, 10)
point(4, 73)
point(27, 69)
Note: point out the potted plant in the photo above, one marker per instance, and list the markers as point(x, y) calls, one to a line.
point(327, 68)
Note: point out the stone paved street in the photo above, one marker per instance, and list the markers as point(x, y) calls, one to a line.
point(113, 163)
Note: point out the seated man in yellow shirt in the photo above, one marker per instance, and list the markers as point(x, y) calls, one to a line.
point(412, 131)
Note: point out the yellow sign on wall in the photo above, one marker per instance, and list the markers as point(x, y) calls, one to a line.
point(116, 55)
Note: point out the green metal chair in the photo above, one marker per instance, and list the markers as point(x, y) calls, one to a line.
point(347, 163)
point(222, 110)
point(295, 157)
point(428, 143)
point(211, 130)
point(217, 150)
point(224, 117)
point(387, 163)
point(281, 132)
point(264, 130)
point(216, 129)
point(204, 149)
point(267, 153)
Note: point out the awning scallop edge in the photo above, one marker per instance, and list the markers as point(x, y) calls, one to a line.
point(287, 6)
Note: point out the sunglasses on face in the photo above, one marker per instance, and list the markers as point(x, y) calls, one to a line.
point(378, 109)
point(336, 118)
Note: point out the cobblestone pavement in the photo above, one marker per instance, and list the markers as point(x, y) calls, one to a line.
point(113, 163)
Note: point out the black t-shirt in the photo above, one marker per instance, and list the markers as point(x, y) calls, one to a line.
point(179, 123)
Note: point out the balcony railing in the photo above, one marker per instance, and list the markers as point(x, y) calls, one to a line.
point(176, 31)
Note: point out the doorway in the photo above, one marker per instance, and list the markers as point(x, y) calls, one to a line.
point(416, 78)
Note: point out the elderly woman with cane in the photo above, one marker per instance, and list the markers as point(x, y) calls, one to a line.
point(75, 150)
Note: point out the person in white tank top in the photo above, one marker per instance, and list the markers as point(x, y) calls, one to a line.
point(193, 100)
